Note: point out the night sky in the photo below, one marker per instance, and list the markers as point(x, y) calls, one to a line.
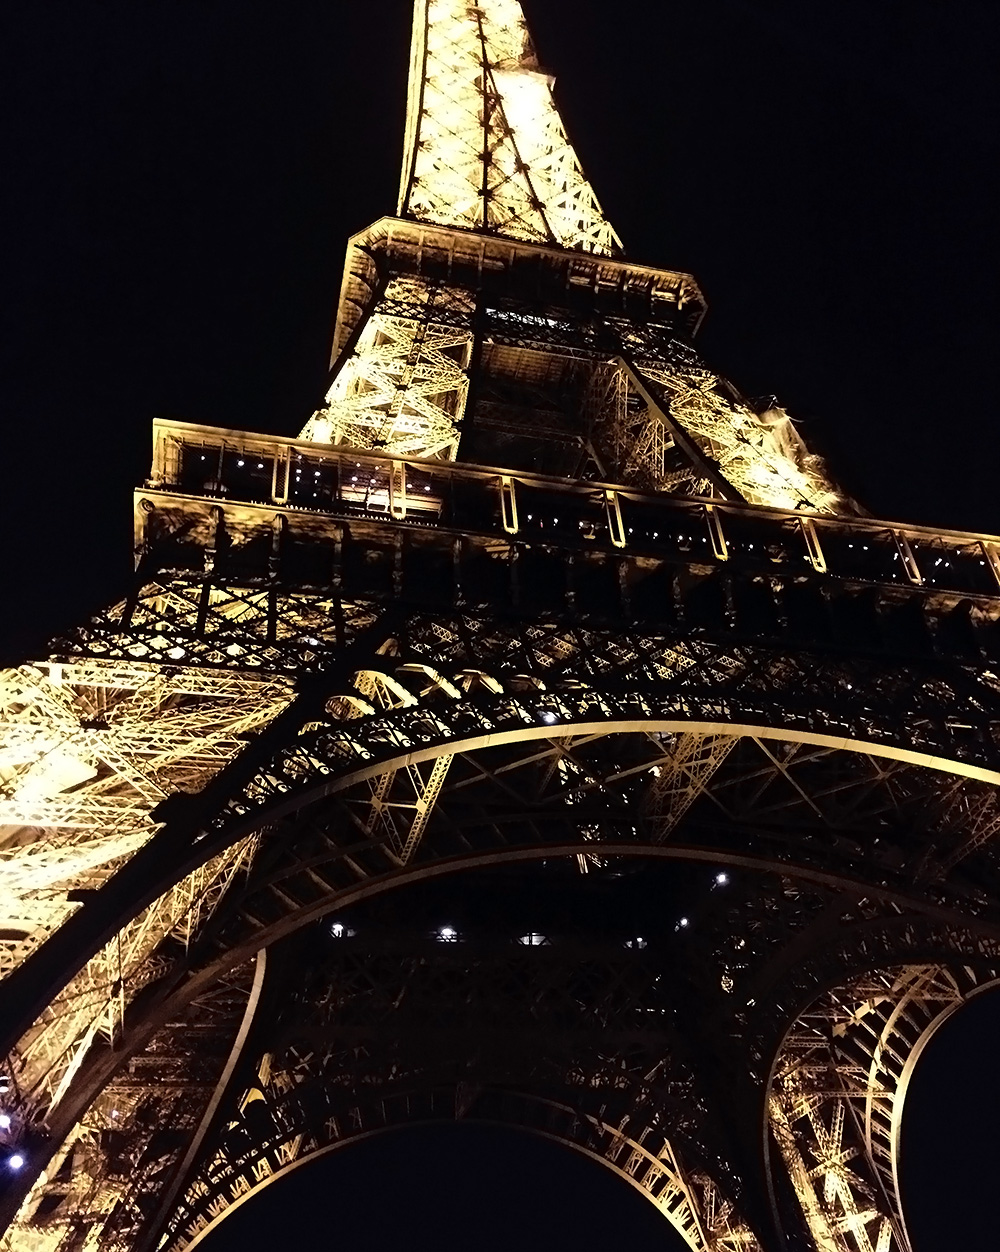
point(180, 180)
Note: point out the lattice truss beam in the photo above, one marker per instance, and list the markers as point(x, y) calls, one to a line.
point(603, 786)
point(660, 418)
point(485, 146)
point(573, 1056)
point(675, 425)
point(112, 1169)
point(404, 386)
point(837, 1094)
point(692, 677)
point(402, 801)
point(87, 749)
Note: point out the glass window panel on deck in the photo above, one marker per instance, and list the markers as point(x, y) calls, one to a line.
point(314, 482)
point(770, 544)
point(247, 476)
point(426, 492)
point(200, 469)
point(560, 516)
point(226, 471)
point(665, 529)
point(473, 503)
point(867, 555)
point(947, 564)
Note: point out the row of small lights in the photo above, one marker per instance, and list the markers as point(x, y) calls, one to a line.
point(534, 939)
point(317, 473)
point(555, 520)
point(16, 1160)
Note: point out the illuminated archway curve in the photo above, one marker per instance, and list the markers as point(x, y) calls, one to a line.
point(686, 1197)
point(170, 1000)
point(325, 761)
point(837, 1090)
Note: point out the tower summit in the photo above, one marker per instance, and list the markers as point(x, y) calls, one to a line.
point(536, 739)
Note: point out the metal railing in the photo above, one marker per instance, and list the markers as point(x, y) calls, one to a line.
point(239, 467)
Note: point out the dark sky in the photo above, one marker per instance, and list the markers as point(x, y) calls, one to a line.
point(181, 176)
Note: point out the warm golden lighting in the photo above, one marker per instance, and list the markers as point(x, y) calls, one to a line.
point(404, 387)
point(486, 150)
point(569, 568)
point(88, 749)
point(485, 146)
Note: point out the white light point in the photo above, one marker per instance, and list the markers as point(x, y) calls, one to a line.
point(16, 1161)
point(4, 1121)
point(337, 930)
point(722, 879)
point(448, 934)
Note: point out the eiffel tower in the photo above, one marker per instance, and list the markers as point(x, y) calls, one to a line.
point(540, 739)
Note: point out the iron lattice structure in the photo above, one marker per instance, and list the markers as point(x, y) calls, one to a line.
point(538, 613)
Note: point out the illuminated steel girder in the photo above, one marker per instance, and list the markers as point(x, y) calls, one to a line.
point(535, 592)
point(485, 146)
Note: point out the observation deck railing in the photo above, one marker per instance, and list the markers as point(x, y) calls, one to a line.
point(235, 467)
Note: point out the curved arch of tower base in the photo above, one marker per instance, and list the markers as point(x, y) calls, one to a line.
point(536, 592)
point(357, 764)
point(713, 759)
point(384, 1025)
point(837, 1095)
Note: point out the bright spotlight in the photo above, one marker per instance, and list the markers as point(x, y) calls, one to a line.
point(722, 879)
point(16, 1161)
point(4, 1121)
point(548, 718)
point(682, 923)
point(337, 930)
point(447, 934)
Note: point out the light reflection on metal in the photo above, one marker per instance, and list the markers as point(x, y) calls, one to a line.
point(403, 388)
point(485, 146)
point(439, 331)
point(837, 1094)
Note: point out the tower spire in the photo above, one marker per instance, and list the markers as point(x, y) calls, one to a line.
point(485, 146)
